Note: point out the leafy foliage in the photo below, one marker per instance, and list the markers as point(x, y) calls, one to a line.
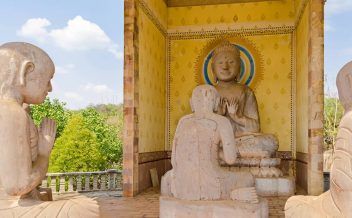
point(110, 145)
point(87, 140)
point(333, 112)
point(77, 150)
point(53, 109)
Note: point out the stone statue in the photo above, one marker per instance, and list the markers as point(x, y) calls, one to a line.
point(197, 174)
point(25, 74)
point(239, 104)
point(337, 201)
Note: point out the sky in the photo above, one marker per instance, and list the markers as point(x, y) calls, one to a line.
point(83, 37)
point(85, 40)
point(338, 41)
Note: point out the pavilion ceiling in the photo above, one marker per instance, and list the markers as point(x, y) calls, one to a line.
point(183, 3)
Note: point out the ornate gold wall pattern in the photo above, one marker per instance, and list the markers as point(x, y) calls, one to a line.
point(152, 76)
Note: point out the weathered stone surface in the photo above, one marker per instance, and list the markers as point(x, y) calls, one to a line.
point(25, 75)
point(337, 201)
point(281, 186)
point(78, 206)
point(197, 175)
point(175, 208)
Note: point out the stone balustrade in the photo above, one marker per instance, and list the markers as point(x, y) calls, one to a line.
point(110, 180)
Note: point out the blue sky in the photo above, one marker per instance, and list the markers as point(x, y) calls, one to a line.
point(338, 40)
point(83, 37)
point(85, 40)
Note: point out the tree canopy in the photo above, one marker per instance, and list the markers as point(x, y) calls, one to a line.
point(53, 109)
point(76, 150)
point(87, 140)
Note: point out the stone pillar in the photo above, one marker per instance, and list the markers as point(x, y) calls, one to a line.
point(316, 97)
point(131, 96)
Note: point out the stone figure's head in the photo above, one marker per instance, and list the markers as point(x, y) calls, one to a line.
point(226, 63)
point(25, 73)
point(344, 86)
point(205, 98)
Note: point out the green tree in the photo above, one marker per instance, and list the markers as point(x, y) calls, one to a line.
point(108, 136)
point(333, 112)
point(52, 109)
point(77, 149)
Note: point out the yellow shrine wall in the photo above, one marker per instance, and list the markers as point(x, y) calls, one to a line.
point(244, 13)
point(274, 92)
point(302, 81)
point(152, 80)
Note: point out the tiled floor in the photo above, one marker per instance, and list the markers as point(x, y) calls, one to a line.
point(146, 205)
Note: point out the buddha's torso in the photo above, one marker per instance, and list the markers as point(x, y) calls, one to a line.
point(234, 92)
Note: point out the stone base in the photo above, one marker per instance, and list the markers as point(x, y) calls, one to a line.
point(76, 206)
point(175, 208)
point(281, 186)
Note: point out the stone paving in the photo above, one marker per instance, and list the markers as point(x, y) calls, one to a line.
point(146, 204)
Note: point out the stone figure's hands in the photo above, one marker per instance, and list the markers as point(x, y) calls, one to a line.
point(47, 133)
point(222, 106)
point(232, 106)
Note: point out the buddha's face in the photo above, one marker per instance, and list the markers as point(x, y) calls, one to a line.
point(38, 85)
point(226, 66)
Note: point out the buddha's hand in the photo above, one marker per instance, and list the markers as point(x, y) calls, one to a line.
point(232, 107)
point(47, 133)
point(222, 106)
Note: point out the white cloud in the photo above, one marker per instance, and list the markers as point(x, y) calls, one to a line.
point(338, 6)
point(78, 35)
point(98, 89)
point(35, 28)
point(66, 69)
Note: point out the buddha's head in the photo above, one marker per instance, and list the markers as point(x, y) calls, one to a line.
point(344, 86)
point(205, 98)
point(25, 73)
point(226, 63)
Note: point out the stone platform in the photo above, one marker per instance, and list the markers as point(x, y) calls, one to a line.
point(77, 206)
point(281, 186)
point(175, 208)
point(269, 179)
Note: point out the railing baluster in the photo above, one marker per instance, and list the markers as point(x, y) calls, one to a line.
point(103, 182)
point(111, 180)
point(70, 183)
point(79, 183)
point(62, 184)
point(53, 184)
point(87, 179)
point(95, 182)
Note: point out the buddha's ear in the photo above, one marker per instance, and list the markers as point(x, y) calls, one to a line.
point(26, 67)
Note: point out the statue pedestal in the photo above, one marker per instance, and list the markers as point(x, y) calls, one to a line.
point(281, 186)
point(176, 208)
point(269, 180)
